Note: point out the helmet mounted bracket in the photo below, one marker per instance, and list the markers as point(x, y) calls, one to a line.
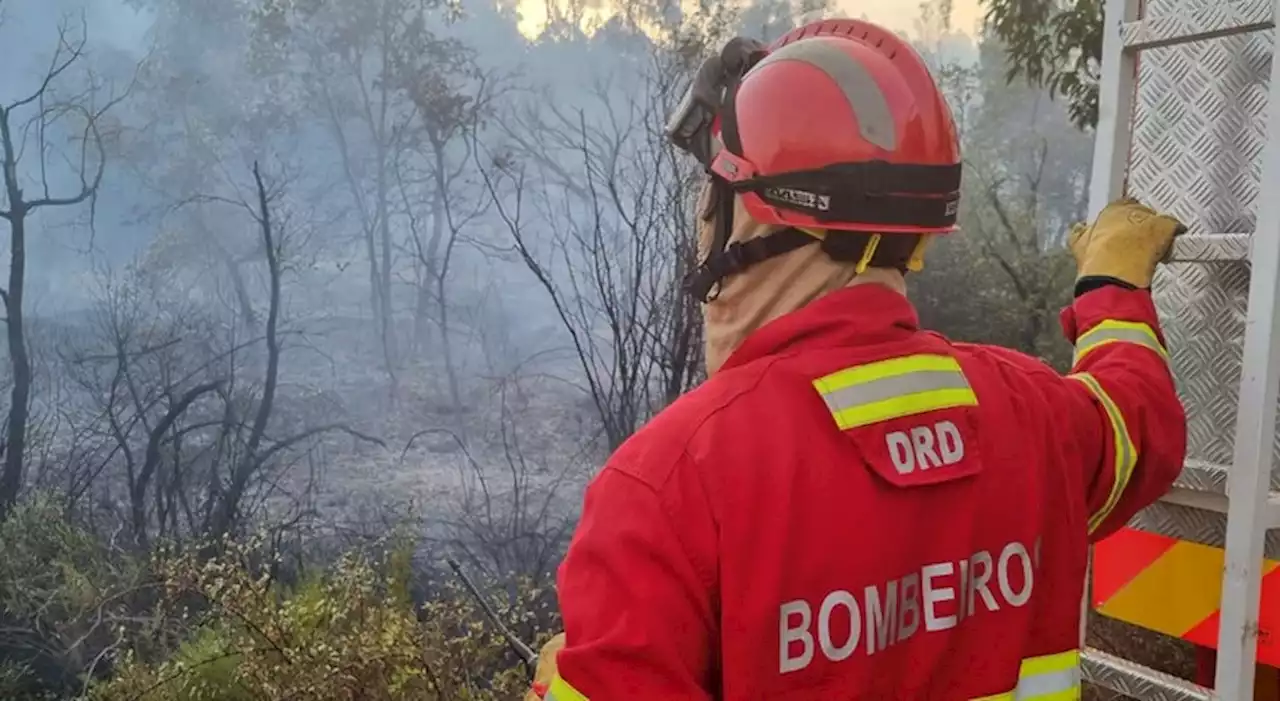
point(690, 126)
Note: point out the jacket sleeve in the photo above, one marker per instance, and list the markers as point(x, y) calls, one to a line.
point(1122, 395)
point(637, 609)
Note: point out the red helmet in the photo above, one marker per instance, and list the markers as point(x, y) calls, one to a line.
point(851, 104)
point(836, 126)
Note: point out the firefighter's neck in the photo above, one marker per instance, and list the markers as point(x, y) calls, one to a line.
point(750, 301)
point(887, 277)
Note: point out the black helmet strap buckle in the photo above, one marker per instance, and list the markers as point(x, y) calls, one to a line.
point(725, 261)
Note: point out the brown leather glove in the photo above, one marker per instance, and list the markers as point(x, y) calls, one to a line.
point(1125, 243)
point(546, 669)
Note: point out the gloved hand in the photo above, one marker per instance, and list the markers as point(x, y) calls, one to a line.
point(546, 669)
point(1124, 244)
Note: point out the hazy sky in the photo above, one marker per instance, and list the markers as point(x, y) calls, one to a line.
point(895, 14)
point(899, 14)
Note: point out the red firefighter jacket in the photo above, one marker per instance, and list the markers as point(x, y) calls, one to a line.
point(853, 508)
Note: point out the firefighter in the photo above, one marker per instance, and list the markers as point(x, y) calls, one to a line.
point(851, 507)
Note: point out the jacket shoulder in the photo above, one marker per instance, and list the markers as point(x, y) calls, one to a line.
point(654, 451)
point(1006, 360)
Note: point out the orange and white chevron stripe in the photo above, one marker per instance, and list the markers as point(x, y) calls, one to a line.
point(1175, 587)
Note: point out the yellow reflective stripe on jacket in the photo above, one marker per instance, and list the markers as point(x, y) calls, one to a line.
point(891, 389)
point(561, 690)
point(1112, 331)
point(1045, 678)
point(1126, 454)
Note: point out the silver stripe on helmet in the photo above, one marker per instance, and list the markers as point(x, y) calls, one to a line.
point(865, 98)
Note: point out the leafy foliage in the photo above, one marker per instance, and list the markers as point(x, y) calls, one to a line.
point(82, 619)
point(1056, 44)
point(1003, 278)
point(66, 600)
point(349, 632)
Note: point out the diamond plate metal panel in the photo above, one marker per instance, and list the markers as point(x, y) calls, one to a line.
point(1197, 18)
point(1198, 133)
point(1198, 130)
point(1203, 477)
point(1136, 681)
point(1195, 525)
point(1162, 8)
point(1202, 307)
point(1207, 247)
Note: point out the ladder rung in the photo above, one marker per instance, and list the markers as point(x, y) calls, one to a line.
point(1203, 485)
point(1199, 248)
point(1191, 499)
point(1136, 681)
point(1201, 476)
point(1207, 501)
point(1210, 21)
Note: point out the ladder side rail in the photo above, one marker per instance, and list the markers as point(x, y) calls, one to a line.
point(1117, 86)
point(1249, 482)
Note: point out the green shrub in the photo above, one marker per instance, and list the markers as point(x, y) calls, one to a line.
point(345, 634)
point(66, 599)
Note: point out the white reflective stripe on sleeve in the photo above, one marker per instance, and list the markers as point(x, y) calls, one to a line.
point(1113, 331)
point(1046, 678)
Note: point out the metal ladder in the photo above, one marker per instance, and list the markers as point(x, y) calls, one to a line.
point(1251, 508)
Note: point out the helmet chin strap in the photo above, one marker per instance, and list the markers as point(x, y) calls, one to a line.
point(903, 253)
point(725, 259)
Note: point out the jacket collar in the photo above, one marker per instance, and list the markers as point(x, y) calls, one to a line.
point(851, 316)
